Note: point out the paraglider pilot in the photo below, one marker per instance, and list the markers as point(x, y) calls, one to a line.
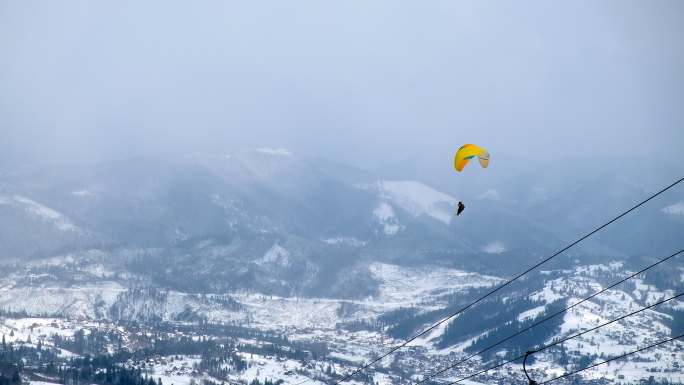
point(461, 207)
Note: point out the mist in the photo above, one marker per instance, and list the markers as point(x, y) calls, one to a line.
point(375, 85)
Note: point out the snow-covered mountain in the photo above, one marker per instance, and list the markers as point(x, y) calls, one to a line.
point(330, 254)
point(214, 218)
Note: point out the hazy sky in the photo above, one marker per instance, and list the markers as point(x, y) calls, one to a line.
point(368, 82)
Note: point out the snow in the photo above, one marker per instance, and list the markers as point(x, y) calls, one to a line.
point(74, 302)
point(425, 288)
point(382, 379)
point(349, 241)
point(174, 371)
point(21, 330)
point(531, 314)
point(41, 328)
point(272, 312)
point(276, 255)
point(348, 357)
point(595, 270)
point(431, 337)
point(626, 335)
point(403, 286)
point(418, 199)
point(82, 193)
point(45, 213)
point(675, 209)
point(268, 368)
point(274, 151)
point(547, 295)
point(384, 213)
point(496, 247)
point(399, 287)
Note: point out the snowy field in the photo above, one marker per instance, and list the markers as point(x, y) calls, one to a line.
point(318, 319)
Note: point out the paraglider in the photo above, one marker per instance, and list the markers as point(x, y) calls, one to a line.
point(468, 152)
point(461, 159)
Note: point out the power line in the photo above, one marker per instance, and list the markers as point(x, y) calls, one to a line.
point(394, 349)
point(613, 359)
point(558, 342)
point(547, 318)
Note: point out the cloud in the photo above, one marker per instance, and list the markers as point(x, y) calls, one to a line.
point(364, 83)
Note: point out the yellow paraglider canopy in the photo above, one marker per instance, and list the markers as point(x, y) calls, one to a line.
point(467, 152)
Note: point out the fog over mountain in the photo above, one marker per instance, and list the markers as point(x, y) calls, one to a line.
point(264, 193)
point(367, 84)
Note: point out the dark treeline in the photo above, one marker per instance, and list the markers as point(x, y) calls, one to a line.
point(677, 322)
point(102, 370)
point(500, 320)
point(28, 361)
point(93, 343)
point(220, 364)
point(219, 356)
point(523, 342)
point(405, 322)
point(24, 355)
point(165, 338)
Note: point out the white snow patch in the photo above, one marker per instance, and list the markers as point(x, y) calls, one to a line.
point(275, 255)
point(274, 369)
point(675, 209)
point(406, 286)
point(175, 371)
point(82, 193)
point(45, 213)
point(547, 295)
point(496, 247)
point(384, 213)
point(273, 312)
point(75, 301)
point(274, 151)
point(348, 357)
point(531, 314)
point(418, 199)
point(350, 241)
point(431, 337)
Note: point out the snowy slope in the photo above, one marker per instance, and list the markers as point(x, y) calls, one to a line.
point(418, 199)
point(40, 212)
point(404, 286)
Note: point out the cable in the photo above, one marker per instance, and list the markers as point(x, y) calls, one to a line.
point(547, 318)
point(613, 359)
point(394, 349)
point(558, 342)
